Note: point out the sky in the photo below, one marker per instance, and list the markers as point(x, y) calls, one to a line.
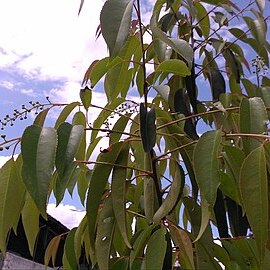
point(45, 49)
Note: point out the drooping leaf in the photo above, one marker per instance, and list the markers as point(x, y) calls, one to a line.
point(99, 179)
point(105, 228)
point(217, 83)
point(140, 243)
point(206, 165)
point(181, 239)
point(11, 184)
point(261, 5)
point(220, 214)
point(253, 119)
point(30, 220)
point(181, 107)
point(38, 153)
point(69, 250)
point(173, 196)
point(79, 119)
point(115, 18)
point(192, 89)
point(232, 64)
point(148, 127)
point(51, 250)
point(155, 251)
point(203, 19)
point(119, 176)
point(253, 185)
point(65, 113)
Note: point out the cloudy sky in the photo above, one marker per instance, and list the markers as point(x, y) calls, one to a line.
point(45, 49)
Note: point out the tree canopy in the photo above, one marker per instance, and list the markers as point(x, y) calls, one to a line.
point(182, 177)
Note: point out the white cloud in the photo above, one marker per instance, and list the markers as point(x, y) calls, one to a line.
point(4, 159)
point(66, 214)
point(7, 84)
point(47, 39)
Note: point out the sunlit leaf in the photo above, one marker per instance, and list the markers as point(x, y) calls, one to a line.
point(10, 207)
point(30, 220)
point(41, 117)
point(253, 119)
point(65, 113)
point(38, 153)
point(203, 19)
point(115, 18)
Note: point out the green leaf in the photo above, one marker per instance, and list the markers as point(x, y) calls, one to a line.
point(10, 208)
point(79, 119)
point(163, 90)
point(98, 183)
point(155, 251)
point(257, 28)
point(30, 220)
point(173, 196)
point(69, 249)
point(261, 5)
point(86, 96)
point(253, 119)
point(203, 19)
point(38, 153)
point(65, 113)
point(119, 176)
point(180, 46)
point(253, 185)
point(148, 127)
point(181, 239)
point(140, 243)
point(41, 117)
point(115, 20)
point(104, 114)
point(206, 165)
point(105, 229)
point(173, 66)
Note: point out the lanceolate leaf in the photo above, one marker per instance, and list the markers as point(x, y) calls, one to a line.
point(41, 117)
point(173, 196)
point(86, 96)
point(182, 240)
point(115, 20)
point(155, 251)
point(203, 19)
point(69, 250)
point(69, 138)
point(10, 206)
point(119, 176)
point(147, 127)
point(206, 165)
point(105, 228)
point(38, 153)
point(253, 119)
point(253, 185)
point(65, 113)
point(99, 179)
point(30, 220)
point(217, 83)
point(51, 250)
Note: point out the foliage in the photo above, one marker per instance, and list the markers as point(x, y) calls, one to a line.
point(155, 193)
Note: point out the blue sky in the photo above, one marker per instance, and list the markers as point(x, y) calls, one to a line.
point(45, 49)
